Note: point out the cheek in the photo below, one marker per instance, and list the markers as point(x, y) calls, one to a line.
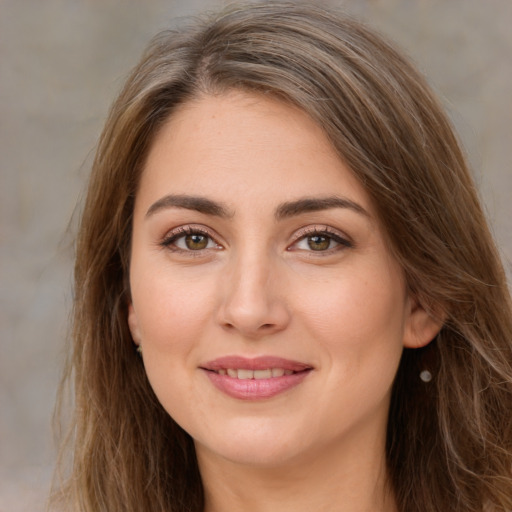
point(363, 347)
point(171, 308)
point(357, 305)
point(173, 316)
point(359, 322)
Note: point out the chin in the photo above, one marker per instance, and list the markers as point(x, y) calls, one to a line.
point(256, 456)
point(258, 445)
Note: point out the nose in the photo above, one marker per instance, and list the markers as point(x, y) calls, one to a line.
point(253, 300)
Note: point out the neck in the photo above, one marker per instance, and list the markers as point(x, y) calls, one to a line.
point(345, 480)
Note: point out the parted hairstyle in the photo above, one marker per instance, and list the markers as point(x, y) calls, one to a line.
point(449, 442)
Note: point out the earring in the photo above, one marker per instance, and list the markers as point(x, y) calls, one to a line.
point(425, 376)
point(139, 350)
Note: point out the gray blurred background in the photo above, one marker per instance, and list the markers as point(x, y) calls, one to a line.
point(61, 64)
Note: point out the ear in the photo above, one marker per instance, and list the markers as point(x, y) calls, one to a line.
point(421, 326)
point(133, 324)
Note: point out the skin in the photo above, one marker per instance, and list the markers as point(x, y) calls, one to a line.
point(263, 285)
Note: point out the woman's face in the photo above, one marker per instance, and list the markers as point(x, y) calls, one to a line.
point(270, 312)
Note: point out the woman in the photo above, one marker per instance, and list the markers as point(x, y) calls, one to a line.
point(286, 292)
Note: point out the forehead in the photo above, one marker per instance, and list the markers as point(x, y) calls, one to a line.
point(242, 146)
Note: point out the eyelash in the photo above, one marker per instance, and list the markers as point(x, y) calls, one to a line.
point(323, 231)
point(183, 231)
point(319, 231)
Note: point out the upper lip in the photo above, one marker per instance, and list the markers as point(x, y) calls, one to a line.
point(256, 363)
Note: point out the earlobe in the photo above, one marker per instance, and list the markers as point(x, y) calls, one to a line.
point(421, 326)
point(133, 324)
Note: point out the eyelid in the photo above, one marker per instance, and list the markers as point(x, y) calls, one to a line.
point(188, 229)
point(322, 229)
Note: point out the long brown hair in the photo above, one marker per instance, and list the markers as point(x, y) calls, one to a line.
point(449, 445)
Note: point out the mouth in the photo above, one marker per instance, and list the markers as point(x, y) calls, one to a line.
point(242, 373)
point(254, 379)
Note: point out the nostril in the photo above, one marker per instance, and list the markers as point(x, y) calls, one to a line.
point(252, 318)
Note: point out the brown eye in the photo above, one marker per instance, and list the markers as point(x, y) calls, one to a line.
point(190, 240)
point(319, 242)
point(196, 242)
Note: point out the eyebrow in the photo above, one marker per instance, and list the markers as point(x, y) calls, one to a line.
point(196, 203)
point(283, 211)
point(316, 204)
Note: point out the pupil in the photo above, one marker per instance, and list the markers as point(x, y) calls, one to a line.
point(318, 243)
point(196, 242)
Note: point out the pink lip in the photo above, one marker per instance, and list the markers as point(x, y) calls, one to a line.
point(255, 389)
point(257, 363)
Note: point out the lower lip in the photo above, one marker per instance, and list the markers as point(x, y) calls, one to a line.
point(255, 389)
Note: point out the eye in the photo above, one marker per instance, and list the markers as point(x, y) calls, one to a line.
point(320, 240)
point(317, 243)
point(190, 239)
point(194, 242)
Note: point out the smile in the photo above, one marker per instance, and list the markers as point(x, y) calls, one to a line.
point(255, 379)
point(243, 374)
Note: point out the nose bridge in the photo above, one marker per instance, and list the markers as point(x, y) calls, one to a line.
point(252, 300)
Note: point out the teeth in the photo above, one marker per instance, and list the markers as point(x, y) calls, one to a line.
point(262, 374)
point(243, 374)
